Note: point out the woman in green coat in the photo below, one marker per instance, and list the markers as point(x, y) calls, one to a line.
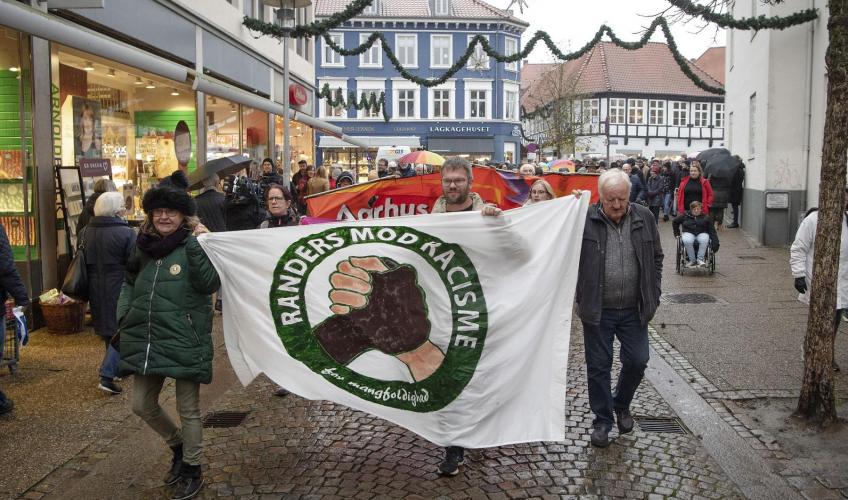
point(165, 324)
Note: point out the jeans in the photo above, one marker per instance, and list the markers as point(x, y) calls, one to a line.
point(598, 340)
point(145, 404)
point(688, 242)
point(734, 208)
point(109, 365)
point(667, 198)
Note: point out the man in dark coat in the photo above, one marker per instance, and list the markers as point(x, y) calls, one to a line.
point(210, 205)
point(618, 291)
point(10, 284)
point(737, 188)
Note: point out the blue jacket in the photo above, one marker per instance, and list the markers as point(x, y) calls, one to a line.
point(638, 193)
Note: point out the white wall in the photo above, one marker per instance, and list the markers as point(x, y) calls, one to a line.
point(228, 18)
point(786, 70)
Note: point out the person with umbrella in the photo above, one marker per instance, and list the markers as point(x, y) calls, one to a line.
point(736, 191)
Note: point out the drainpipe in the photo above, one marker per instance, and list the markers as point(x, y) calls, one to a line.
point(808, 105)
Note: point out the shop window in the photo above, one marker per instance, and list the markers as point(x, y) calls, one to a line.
point(302, 143)
point(222, 128)
point(254, 126)
point(117, 113)
point(17, 210)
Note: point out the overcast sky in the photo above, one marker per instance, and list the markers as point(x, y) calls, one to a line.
point(577, 22)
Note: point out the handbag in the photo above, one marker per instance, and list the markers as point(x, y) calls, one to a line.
point(75, 285)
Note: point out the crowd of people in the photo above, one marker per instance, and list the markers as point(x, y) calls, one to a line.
point(151, 290)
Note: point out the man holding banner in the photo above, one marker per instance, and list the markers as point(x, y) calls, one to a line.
point(618, 291)
point(414, 319)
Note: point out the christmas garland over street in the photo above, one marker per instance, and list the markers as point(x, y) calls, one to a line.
point(322, 28)
point(748, 23)
point(314, 29)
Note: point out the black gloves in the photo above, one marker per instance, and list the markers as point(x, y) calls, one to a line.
point(801, 285)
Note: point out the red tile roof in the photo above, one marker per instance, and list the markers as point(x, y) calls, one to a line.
point(406, 9)
point(609, 68)
point(712, 61)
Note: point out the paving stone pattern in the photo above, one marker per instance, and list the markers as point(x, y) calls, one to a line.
point(295, 448)
point(292, 447)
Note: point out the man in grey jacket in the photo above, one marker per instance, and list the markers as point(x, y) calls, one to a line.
point(618, 291)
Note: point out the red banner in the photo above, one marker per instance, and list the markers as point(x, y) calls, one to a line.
point(394, 197)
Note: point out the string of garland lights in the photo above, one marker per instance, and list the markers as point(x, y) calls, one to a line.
point(335, 98)
point(724, 20)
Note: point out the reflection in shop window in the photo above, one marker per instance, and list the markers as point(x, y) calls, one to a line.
point(222, 128)
point(112, 111)
point(302, 143)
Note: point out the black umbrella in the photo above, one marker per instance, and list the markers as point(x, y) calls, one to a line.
point(705, 155)
point(722, 167)
point(222, 166)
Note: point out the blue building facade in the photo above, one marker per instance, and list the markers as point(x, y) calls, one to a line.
point(474, 114)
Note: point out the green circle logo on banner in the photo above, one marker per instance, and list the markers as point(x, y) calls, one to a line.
point(379, 304)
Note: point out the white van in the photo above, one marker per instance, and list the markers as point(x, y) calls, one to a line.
point(391, 153)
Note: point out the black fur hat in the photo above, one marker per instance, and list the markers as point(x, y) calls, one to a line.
point(170, 193)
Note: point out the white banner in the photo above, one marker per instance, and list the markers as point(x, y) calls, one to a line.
point(455, 326)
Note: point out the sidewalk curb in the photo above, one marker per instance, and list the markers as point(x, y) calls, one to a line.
point(742, 464)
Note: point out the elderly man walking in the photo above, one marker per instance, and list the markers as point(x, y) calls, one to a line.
point(618, 291)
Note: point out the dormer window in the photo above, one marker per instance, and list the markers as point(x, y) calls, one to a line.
point(442, 7)
point(371, 10)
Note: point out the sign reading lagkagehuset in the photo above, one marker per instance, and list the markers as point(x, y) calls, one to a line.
point(378, 303)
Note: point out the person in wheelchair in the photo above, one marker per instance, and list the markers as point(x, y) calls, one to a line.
point(696, 227)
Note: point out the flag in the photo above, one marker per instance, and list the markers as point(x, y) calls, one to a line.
point(455, 326)
point(395, 197)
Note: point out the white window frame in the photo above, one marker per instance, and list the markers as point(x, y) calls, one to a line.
point(679, 114)
point(450, 88)
point(593, 105)
point(656, 112)
point(440, 36)
point(326, 50)
point(701, 114)
point(414, 38)
point(511, 114)
point(401, 84)
point(334, 84)
point(718, 115)
point(376, 51)
point(728, 134)
point(634, 105)
point(371, 10)
point(478, 85)
point(617, 104)
point(508, 51)
point(441, 7)
point(375, 85)
point(479, 49)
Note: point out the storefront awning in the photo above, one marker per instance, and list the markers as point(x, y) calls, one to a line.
point(453, 145)
point(208, 85)
point(24, 18)
point(369, 142)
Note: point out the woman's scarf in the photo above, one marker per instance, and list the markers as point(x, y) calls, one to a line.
point(158, 247)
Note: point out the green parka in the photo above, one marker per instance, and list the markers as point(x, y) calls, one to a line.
point(165, 314)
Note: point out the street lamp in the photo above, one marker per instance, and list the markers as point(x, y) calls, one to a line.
point(286, 20)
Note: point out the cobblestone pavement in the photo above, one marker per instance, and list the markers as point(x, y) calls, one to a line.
point(294, 448)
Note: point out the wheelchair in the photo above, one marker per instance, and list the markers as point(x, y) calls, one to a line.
point(683, 259)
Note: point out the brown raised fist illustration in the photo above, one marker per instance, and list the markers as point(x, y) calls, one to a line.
point(379, 305)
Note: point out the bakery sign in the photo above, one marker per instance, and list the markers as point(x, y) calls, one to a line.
point(298, 96)
point(459, 129)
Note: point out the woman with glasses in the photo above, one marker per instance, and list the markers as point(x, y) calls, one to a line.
point(165, 325)
point(541, 190)
point(279, 200)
